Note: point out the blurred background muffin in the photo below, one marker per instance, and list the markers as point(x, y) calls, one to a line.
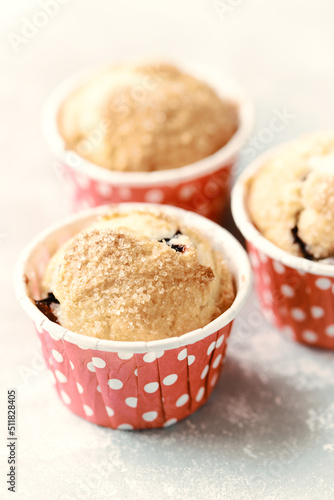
point(291, 197)
point(283, 204)
point(155, 132)
point(145, 117)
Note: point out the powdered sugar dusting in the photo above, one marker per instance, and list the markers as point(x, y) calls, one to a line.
point(322, 418)
point(329, 447)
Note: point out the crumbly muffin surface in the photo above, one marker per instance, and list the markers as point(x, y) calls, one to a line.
point(291, 197)
point(145, 118)
point(138, 276)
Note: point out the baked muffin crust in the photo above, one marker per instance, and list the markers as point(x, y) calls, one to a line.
point(138, 276)
point(145, 118)
point(291, 197)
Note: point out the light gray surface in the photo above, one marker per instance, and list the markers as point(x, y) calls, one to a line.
point(268, 430)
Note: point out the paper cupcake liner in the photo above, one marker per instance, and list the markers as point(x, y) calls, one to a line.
point(132, 385)
point(299, 303)
point(127, 390)
point(296, 294)
point(202, 187)
point(205, 194)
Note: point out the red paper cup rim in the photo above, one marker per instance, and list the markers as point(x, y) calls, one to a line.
point(233, 252)
point(251, 234)
point(223, 84)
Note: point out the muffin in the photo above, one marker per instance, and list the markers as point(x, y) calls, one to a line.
point(136, 276)
point(291, 197)
point(148, 133)
point(133, 384)
point(283, 204)
point(145, 117)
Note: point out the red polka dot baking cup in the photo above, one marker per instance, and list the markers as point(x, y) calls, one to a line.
point(131, 385)
point(296, 294)
point(202, 187)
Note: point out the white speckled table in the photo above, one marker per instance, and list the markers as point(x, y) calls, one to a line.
point(268, 430)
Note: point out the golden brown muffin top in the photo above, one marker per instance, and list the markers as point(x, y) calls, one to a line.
point(145, 118)
point(291, 197)
point(138, 276)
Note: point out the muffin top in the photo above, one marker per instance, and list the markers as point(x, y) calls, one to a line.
point(144, 118)
point(291, 197)
point(137, 276)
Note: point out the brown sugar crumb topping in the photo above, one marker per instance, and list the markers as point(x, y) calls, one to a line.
point(122, 279)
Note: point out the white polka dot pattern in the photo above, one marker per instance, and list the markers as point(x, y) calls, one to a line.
point(214, 380)
point(151, 387)
point(182, 400)
point(130, 391)
point(125, 193)
point(52, 335)
point(205, 372)
point(82, 181)
point(298, 314)
point(200, 394)
point(149, 416)
point(206, 194)
point(170, 422)
point(330, 330)
point(254, 260)
point(104, 190)
point(60, 377)
point(217, 361)
point(98, 362)
point(58, 357)
point(182, 355)
point(191, 359)
point(170, 379)
point(115, 384)
point(187, 192)
point(152, 356)
point(220, 341)
point(87, 409)
point(317, 312)
point(211, 348)
point(278, 267)
point(110, 411)
point(287, 290)
point(125, 427)
point(66, 398)
point(80, 388)
point(310, 336)
point(263, 257)
point(154, 196)
point(301, 303)
point(323, 283)
point(132, 402)
point(125, 355)
point(266, 279)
